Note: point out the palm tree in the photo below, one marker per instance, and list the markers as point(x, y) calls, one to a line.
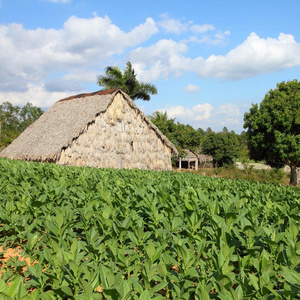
point(127, 82)
point(159, 116)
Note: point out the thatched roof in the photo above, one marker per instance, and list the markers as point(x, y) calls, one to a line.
point(63, 123)
point(205, 158)
point(192, 155)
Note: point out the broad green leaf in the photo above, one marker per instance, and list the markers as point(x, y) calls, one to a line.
point(291, 276)
point(111, 294)
point(176, 223)
point(17, 289)
point(145, 295)
point(150, 250)
point(4, 296)
point(254, 281)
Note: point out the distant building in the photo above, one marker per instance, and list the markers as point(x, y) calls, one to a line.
point(103, 129)
point(194, 161)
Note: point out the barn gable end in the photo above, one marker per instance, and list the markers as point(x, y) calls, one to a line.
point(118, 138)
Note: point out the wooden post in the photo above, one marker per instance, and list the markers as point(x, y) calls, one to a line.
point(196, 165)
point(179, 163)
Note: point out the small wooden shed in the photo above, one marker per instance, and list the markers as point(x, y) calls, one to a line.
point(104, 129)
point(190, 161)
point(193, 160)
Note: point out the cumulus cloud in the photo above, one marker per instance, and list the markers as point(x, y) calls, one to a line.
point(253, 57)
point(196, 113)
point(202, 34)
point(165, 58)
point(71, 81)
point(202, 28)
point(173, 25)
point(205, 115)
point(228, 114)
point(191, 88)
point(35, 94)
point(31, 55)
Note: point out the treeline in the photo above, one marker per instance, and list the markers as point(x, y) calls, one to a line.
point(15, 119)
point(225, 146)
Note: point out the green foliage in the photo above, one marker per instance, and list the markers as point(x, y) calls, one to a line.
point(127, 82)
point(132, 234)
point(181, 135)
point(274, 176)
point(223, 146)
point(14, 120)
point(273, 127)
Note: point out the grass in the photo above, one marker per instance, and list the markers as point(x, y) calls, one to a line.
point(275, 176)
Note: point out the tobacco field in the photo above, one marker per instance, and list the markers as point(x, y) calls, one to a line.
point(82, 233)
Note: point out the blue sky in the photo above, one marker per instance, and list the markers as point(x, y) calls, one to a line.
point(210, 60)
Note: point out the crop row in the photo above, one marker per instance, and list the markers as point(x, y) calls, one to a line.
point(132, 234)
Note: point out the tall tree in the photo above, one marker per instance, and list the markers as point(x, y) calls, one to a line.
point(181, 135)
point(273, 127)
point(223, 146)
point(9, 123)
point(28, 114)
point(14, 120)
point(127, 82)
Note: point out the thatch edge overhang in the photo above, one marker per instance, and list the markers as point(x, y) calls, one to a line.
point(84, 95)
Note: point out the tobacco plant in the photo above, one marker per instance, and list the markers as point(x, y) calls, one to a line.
point(133, 234)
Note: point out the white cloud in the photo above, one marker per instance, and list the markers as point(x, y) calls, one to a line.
point(35, 94)
point(228, 115)
point(191, 88)
point(205, 115)
point(173, 25)
point(253, 57)
point(164, 57)
point(204, 34)
point(196, 113)
point(210, 39)
point(202, 28)
point(31, 55)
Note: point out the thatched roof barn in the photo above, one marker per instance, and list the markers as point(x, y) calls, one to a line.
point(104, 129)
point(192, 160)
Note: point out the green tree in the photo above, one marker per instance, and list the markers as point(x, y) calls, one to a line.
point(273, 127)
point(9, 123)
point(127, 82)
point(223, 146)
point(28, 114)
point(14, 120)
point(187, 137)
point(165, 125)
point(181, 135)
point(159, 117)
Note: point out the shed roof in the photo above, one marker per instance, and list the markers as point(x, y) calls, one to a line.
point(64, 122)
point(193, 155)
point(205, 158)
